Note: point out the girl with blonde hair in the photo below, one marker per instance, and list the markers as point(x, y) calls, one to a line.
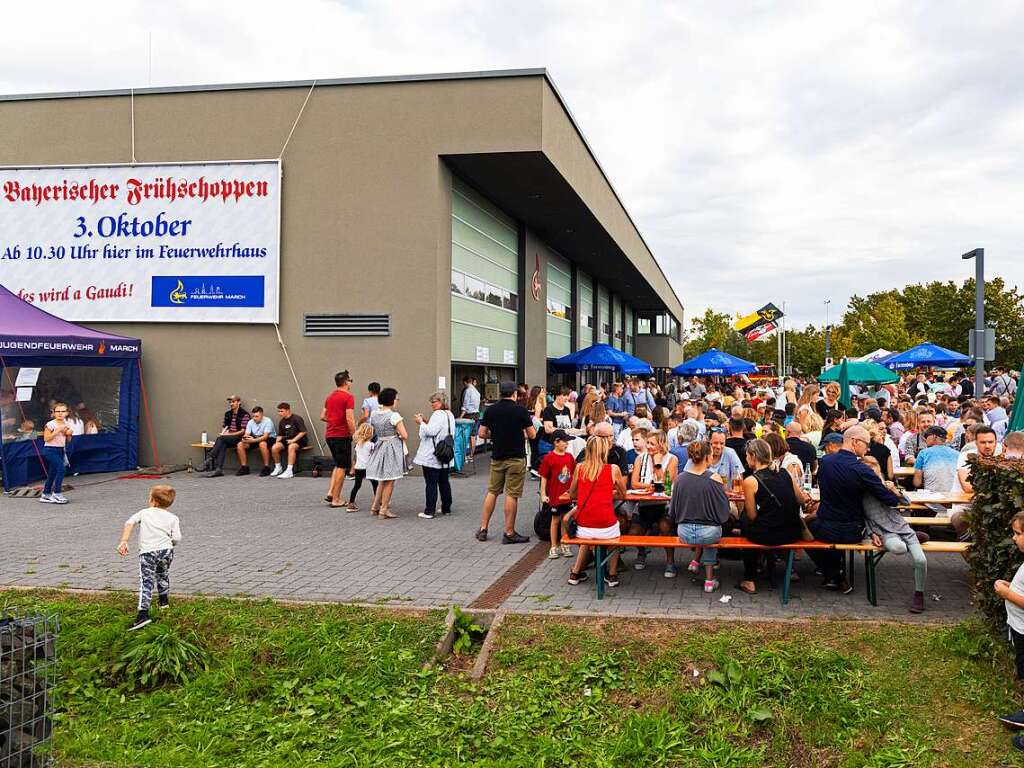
point(595, 486)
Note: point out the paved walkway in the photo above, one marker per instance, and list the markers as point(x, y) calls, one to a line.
point(268, 537)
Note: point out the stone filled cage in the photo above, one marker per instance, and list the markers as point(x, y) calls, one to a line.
point(28, 658)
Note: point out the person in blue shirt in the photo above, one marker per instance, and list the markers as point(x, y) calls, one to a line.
point(843, 479)
point(935, 466)
point(615, 406)
point(259, 432)
point(636, 396)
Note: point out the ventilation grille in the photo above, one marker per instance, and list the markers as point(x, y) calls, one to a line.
point(346, 325)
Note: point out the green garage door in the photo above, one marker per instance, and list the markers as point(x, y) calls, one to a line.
point(559, 309)
point(485, 280)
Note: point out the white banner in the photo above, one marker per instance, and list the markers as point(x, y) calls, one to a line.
point(189, 243)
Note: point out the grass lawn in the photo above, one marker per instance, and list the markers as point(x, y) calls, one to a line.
point(336, 685)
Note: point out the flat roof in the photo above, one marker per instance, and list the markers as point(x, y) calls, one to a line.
point(480, 75)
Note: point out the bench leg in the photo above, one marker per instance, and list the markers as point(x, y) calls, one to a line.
point(787, 575)
point(871, 561)
point(599, 570)
point(849, 568)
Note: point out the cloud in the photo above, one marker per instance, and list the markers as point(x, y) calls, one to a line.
point(793, 152)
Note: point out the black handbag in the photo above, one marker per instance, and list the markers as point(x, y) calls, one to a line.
point(444, 449)
point(542, 523)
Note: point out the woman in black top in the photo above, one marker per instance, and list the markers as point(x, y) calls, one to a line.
point(771, 511)
point(877, 447)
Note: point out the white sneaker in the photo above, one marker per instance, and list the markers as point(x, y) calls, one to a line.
point(566, 550)
point(46, 498)
point(710, 586)
point(58, 498)
point(278, 469)
point(553, 554)
point(287, 474)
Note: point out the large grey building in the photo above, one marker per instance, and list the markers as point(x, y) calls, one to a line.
point(431, 226)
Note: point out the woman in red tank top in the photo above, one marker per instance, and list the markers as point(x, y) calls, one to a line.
point(595, 486)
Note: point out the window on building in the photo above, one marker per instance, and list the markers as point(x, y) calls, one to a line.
point(557, 309)
point(474, 288)
point(643, 326)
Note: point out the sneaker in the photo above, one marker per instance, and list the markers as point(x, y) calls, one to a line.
point(514, 538)
point(566, 551)
point(216, 473)
point(553, 553)
point(243, 470)
point(1016, 720)
point(481, 535)
point(693, 567)
point(611, 579)
point(58, 498)
point(710, 586)
point(535, 474)
point(46, 498)
point(425, 515)
point(576, 578)
point(165, 602)
point(1018, 742)
point(917, 606)
point(640, 563)
point(286, 475)
point(845, 587)
point(278, 469)
point(141, 620)
point(832, 585)
point(671, 571)
point(265, 472)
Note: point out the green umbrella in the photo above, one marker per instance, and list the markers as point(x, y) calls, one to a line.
point(861, 372)
point(1017, 415)
point(844, 383)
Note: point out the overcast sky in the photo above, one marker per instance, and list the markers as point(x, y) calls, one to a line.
point(786, 152)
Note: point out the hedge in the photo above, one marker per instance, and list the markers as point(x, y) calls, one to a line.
point(998, 496)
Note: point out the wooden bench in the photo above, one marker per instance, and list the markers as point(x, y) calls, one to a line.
point(207, 447)
point(872, 555)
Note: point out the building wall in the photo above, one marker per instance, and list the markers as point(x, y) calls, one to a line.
point(587, 313)
point(535, 256)
point(559, 306)
point(365, 222)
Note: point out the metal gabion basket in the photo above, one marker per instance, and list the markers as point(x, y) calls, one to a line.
point(28, 659)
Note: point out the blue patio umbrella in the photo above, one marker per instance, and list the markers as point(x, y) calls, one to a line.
point(926, 355)
point(714, 362)
point(602, 357)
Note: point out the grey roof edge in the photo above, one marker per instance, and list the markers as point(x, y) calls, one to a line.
point(478, 75)
point(615, 192)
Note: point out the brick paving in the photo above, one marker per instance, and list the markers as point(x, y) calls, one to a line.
point(266, 537)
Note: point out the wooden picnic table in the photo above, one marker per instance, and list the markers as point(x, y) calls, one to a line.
point(919, 499)
point(901, 472)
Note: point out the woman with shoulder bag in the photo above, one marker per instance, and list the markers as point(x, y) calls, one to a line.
point(434, 434)
point(771, 515)
point(595, 486)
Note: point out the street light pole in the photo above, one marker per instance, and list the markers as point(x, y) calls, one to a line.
point(828, 331)
point(978, 254)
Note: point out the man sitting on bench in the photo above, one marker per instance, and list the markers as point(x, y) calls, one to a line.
point(236, 419)
point(291, 437)
point(259, 432)
point(843, 479)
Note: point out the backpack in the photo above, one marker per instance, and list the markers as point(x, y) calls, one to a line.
point(444, 449)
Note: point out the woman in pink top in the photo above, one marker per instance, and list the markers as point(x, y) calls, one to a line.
point(55, 438)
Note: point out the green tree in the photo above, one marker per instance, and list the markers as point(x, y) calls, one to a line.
point(875, 321)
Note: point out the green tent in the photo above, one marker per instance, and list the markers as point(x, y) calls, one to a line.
point(861, 373)
point(1017, 415)
point(844, 383)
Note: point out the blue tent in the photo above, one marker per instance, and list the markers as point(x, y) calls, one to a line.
point(714, 362)
point(44, 358)
point(601, 357)
point(926, 355)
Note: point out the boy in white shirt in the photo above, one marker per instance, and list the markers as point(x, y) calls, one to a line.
point(1012, 593)
point(159, 531)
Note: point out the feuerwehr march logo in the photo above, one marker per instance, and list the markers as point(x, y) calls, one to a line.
point(178, 295)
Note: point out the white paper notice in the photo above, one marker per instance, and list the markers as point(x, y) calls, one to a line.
point(440, 382)
point(24, 394)
point(27, 377)
point(509, 357)
point(483, 354)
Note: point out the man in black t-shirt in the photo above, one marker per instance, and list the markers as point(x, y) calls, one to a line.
point(508, 425)
point(737, 441)
point(800, 447)
point(291, 438)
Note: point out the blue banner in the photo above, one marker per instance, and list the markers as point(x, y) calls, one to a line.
point(214, 291)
